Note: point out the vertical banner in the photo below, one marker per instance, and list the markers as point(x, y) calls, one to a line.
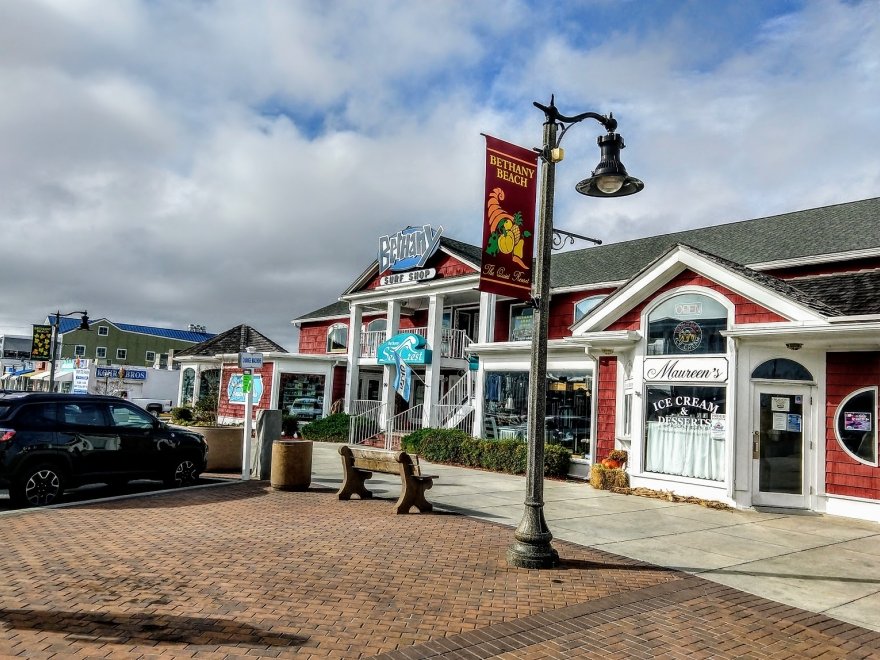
point(509, 219)
point(41, 344)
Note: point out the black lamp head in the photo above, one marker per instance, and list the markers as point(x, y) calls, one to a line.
point(84, 322)
point(610, 179)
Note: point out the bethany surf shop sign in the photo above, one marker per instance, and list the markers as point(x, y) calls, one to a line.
point(690, 370)
point(406, 253)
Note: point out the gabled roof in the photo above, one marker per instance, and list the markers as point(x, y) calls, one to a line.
point(68, 324)
point(839, 228)
point(469, 254)
point(771, 292)
point(233, 340)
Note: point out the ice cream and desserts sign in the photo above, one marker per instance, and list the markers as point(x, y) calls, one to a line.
point(405, 254)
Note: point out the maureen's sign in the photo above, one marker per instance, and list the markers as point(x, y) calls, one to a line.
point(408, 249)
point(688, 370)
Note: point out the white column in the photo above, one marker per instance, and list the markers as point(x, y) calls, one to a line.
point(389, 370)
point(485, 335)
point(432, 370)
point(352, 361)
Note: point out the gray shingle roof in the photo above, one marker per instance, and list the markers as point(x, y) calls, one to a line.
point(780, 286)
point(232, 341)
point(826, 230)
point(852, 293)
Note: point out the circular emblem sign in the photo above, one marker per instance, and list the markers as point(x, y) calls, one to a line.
point(687, 336)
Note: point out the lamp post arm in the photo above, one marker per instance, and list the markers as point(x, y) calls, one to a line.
point(552, 113)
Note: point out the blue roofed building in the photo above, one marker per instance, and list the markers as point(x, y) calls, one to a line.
point(127, 344)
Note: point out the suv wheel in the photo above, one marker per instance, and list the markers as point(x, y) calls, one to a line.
point(183, 472)
point(38, 486)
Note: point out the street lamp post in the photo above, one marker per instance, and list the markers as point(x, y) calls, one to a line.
point(532, 548)
point(84, 325)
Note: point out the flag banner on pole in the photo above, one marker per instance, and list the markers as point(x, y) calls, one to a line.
point(403, 382)
point(41, 346)
point(509, 219)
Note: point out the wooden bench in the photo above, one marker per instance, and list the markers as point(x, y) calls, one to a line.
point(359, 463)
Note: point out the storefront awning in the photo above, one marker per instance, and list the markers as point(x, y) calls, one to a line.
point(35, 374)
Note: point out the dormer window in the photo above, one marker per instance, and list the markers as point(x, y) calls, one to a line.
point(337, 338)
point(583, 307)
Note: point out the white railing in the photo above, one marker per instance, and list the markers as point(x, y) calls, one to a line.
point(366, 420)
point(370, 342)
point(453, 343)
point(459, 417)
point(454, 409)
point(403, 424)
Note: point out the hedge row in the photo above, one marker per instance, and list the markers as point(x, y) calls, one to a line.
point(332, 428)
point(459, 448)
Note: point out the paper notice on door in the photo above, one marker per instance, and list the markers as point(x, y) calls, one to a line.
point(719, 426)
point(794, 423)
point(781, 403)
point(780, 422)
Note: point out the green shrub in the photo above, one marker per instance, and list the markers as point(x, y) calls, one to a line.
point(182, 415)
point(458, 448)
point(333, 428)
point(206, 410)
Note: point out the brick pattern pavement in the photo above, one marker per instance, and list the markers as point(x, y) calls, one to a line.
point(242, 571)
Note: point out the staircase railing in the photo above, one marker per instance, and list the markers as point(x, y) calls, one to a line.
point(403, 424)
point(366, 420)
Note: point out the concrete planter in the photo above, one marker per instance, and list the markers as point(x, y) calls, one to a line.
point(291, 465)
point(224, 447)
point(579, 468)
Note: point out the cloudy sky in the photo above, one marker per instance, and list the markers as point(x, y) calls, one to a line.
point(217, 162)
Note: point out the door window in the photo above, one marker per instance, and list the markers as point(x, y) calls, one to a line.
point(781, 443)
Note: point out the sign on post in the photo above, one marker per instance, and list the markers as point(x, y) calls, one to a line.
point(250, 360)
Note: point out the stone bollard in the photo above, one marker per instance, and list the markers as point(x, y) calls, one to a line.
point(291, 464)
point(268, 430)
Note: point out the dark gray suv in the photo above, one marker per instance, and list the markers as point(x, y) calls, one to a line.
point(50, 442)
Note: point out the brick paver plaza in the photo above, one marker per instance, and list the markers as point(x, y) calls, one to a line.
point(240, 570)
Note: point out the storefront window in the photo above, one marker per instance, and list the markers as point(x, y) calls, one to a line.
point(856, 425)
point(567, 413)
point(685, 430)
point(687, 324)
point(188, 387)
point(302, 395)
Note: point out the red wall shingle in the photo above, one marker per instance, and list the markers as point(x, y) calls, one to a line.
point(846, 373)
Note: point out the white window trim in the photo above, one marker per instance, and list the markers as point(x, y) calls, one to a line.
point(336, 326)
point(871, 388)
point(103, 331)
point(598, 298)
point(659, 300)
point(514, 307)
point(121, 353)
point(98, 352)
point(79, 350)
point(148, 359)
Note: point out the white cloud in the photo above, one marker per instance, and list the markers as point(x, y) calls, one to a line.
point(227, 162)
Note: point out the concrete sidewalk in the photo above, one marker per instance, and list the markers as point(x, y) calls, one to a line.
point(819, 563)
